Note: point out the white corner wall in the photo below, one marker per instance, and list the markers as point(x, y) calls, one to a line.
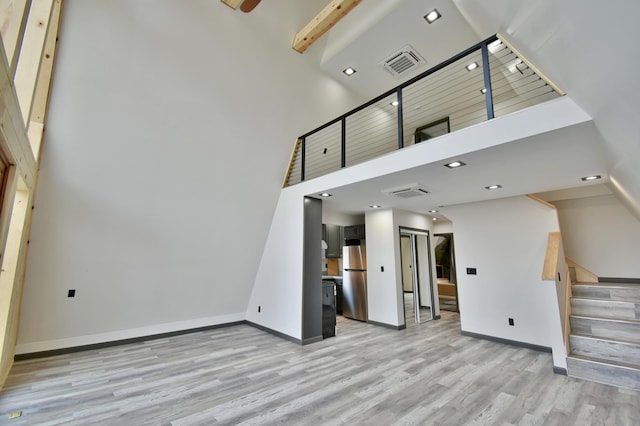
point(170, 128)
point(384, 301)
point(384, 288)
point(278, 285)
point(505, 240)
point(602, 235)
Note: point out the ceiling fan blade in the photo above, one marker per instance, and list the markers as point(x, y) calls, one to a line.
point(248, 5)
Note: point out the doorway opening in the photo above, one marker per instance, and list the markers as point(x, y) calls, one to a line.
point(419, 296)
point(446, 272)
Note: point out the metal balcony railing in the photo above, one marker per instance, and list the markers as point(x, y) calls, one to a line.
point(485, 81)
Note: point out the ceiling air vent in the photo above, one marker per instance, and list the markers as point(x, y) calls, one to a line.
point(402, 61)
point(408, 191)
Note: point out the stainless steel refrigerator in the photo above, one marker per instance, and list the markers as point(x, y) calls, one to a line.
point(354, 283)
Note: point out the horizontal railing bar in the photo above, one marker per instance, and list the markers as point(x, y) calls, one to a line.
point(426, 73)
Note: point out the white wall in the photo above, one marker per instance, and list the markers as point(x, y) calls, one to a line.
point(601, 235)
point(339, 218)
point(505, 240)
point(170, 128)
point(384, 288)
point(442, 227)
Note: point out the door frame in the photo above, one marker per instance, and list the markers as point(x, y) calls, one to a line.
point(452, 266)
point(413, 232)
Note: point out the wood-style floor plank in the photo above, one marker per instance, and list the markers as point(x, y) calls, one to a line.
point(426, 374)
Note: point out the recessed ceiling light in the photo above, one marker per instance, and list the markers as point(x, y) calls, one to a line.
point(395, 103)
point(325, 194)
point(455, 164)
point(589, 178)
point(375, 206)
point(472, 66)
point(432, 16)
point(435, 218)
point(493, 187)
point(349, 71)
point(433, 211)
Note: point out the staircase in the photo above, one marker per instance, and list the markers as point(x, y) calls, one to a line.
point(605, 334)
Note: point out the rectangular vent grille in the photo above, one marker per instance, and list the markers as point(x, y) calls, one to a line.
point(402, 61)
point(407, 191)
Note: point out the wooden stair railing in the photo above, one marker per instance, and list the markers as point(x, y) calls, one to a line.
point(292, 160)
point(554, 266)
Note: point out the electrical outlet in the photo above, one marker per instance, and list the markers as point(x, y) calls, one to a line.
point(471, 271)
point(511, 321)
point(382, 269)
point(71, 293)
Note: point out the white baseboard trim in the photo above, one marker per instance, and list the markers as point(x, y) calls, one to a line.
point(133, 333)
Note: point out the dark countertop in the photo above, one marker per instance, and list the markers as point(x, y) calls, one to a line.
point(332, 277)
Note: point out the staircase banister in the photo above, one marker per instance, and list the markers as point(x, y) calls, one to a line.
point(552, 257)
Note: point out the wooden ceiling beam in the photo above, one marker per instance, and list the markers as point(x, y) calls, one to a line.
point(232, 3)
point(322, 23)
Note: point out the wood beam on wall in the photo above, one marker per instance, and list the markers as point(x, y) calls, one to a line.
point(43, 85)
point(322, 23)
point(31, 53)
point(14, 142)
point(13, 21)
point(13, 270)
point(24, 157)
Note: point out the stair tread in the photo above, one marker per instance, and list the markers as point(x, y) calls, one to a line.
point(606, 339)
point(607, 285)
point(605, 362)
point(630, 321)
point(600, 299)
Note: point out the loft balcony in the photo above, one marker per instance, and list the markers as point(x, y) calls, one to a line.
point(486, 81)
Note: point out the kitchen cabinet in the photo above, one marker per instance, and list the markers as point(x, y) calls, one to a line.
point(328, 309)
point(338, 290)
point(332, 235)
point(356, 232)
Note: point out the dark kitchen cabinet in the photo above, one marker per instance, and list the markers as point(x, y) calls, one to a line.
point(338, 282)
point(332, 235)
point(328, 309)
point(355, 232)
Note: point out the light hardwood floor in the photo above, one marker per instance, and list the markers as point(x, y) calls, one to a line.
point(427, 375)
